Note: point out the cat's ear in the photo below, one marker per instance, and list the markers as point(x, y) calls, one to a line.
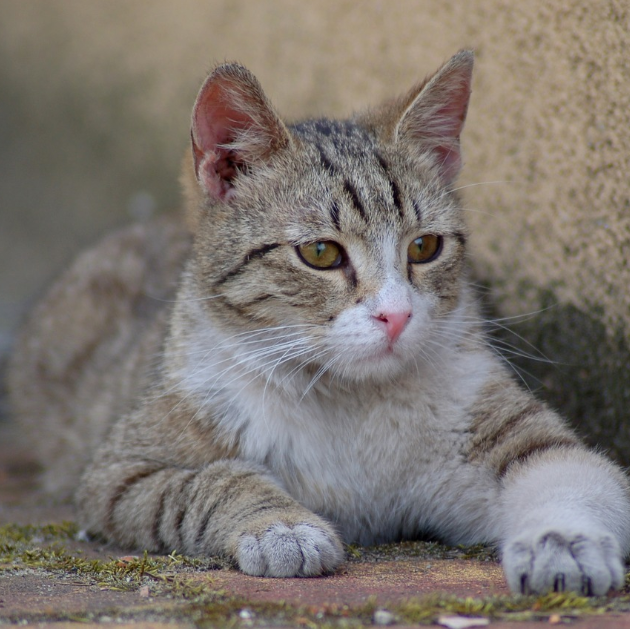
point(430, 117)
point(234, 128)
point(436, 111)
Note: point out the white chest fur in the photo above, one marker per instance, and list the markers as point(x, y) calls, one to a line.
point(381, 461)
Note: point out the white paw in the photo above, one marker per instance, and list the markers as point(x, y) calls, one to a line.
point(553, 560)
point(301, 550)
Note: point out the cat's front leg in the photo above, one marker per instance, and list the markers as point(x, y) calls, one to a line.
point(567, 523)
point(229, 508)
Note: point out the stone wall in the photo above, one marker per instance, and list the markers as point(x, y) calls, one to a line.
point(96, 100)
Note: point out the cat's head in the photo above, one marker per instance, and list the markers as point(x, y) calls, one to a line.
point(337, 244)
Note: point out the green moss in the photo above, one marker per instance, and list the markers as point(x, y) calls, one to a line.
point(41, 547)
point(180, 592)
point(426, 610)
point(420, 550)
point(14, 533)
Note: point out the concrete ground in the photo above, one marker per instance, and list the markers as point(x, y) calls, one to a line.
point(49, 577)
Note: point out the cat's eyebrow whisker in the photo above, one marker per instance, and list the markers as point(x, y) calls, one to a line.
point(476, 184)
point(477, 211)
point(182, 300)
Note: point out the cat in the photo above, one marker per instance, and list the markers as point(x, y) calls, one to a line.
point(309, 366)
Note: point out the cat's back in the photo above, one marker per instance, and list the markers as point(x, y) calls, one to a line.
point(89, 345)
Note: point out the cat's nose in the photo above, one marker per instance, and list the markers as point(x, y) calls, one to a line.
point(394, 322)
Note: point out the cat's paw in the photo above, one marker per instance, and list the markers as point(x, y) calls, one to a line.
point(299, 550)
point(558, 561)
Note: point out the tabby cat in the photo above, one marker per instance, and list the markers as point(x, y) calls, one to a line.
point(321, 374)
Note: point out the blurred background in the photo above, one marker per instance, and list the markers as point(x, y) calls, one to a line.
point(94, 118)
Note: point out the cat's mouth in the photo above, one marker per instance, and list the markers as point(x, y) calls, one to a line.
point(385, 356)
point(388, 350)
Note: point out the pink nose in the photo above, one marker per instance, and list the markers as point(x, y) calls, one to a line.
point(394, 323)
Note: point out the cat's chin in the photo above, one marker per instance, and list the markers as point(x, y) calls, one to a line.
point(381, 365)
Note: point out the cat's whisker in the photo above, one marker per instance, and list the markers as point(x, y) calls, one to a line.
point(261, 350)
point(258, 374)
point(504, 346)
point(326, 367)
point(250, 337)
point(303, 364)
point(477, 184)
point(258, 370)
point(280, 361)
point(498, 325)
point(525, 316)
point(503, 353)
point(318, 374)
point(471, 210)
point(183, 299)
point(522, 339)
point(226, 344)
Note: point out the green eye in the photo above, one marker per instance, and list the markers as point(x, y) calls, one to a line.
point(324, 254)
point(424, 249)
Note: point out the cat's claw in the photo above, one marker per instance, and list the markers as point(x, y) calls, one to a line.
point(301, 550)
point(555, 561)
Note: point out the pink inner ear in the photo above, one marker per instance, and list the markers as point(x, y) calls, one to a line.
point(436, 118)
point(216, 122)
point(449, 160)
point(448, 122)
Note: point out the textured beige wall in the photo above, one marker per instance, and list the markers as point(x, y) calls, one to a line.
point(94, 117)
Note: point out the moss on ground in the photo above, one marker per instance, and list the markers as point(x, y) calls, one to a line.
point(420, 550)
point(178, 594)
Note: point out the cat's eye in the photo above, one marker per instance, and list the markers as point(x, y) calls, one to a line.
point(424, 249)
point(323, 254)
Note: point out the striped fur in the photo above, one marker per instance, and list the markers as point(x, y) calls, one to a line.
point(293, 407)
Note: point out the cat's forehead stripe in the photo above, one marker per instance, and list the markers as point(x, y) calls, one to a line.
point(396, 194)
point(417, 209)
point(334, 215)
point(344, 136)
point(356, 201)
point(328, 165)
point(348, 141)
